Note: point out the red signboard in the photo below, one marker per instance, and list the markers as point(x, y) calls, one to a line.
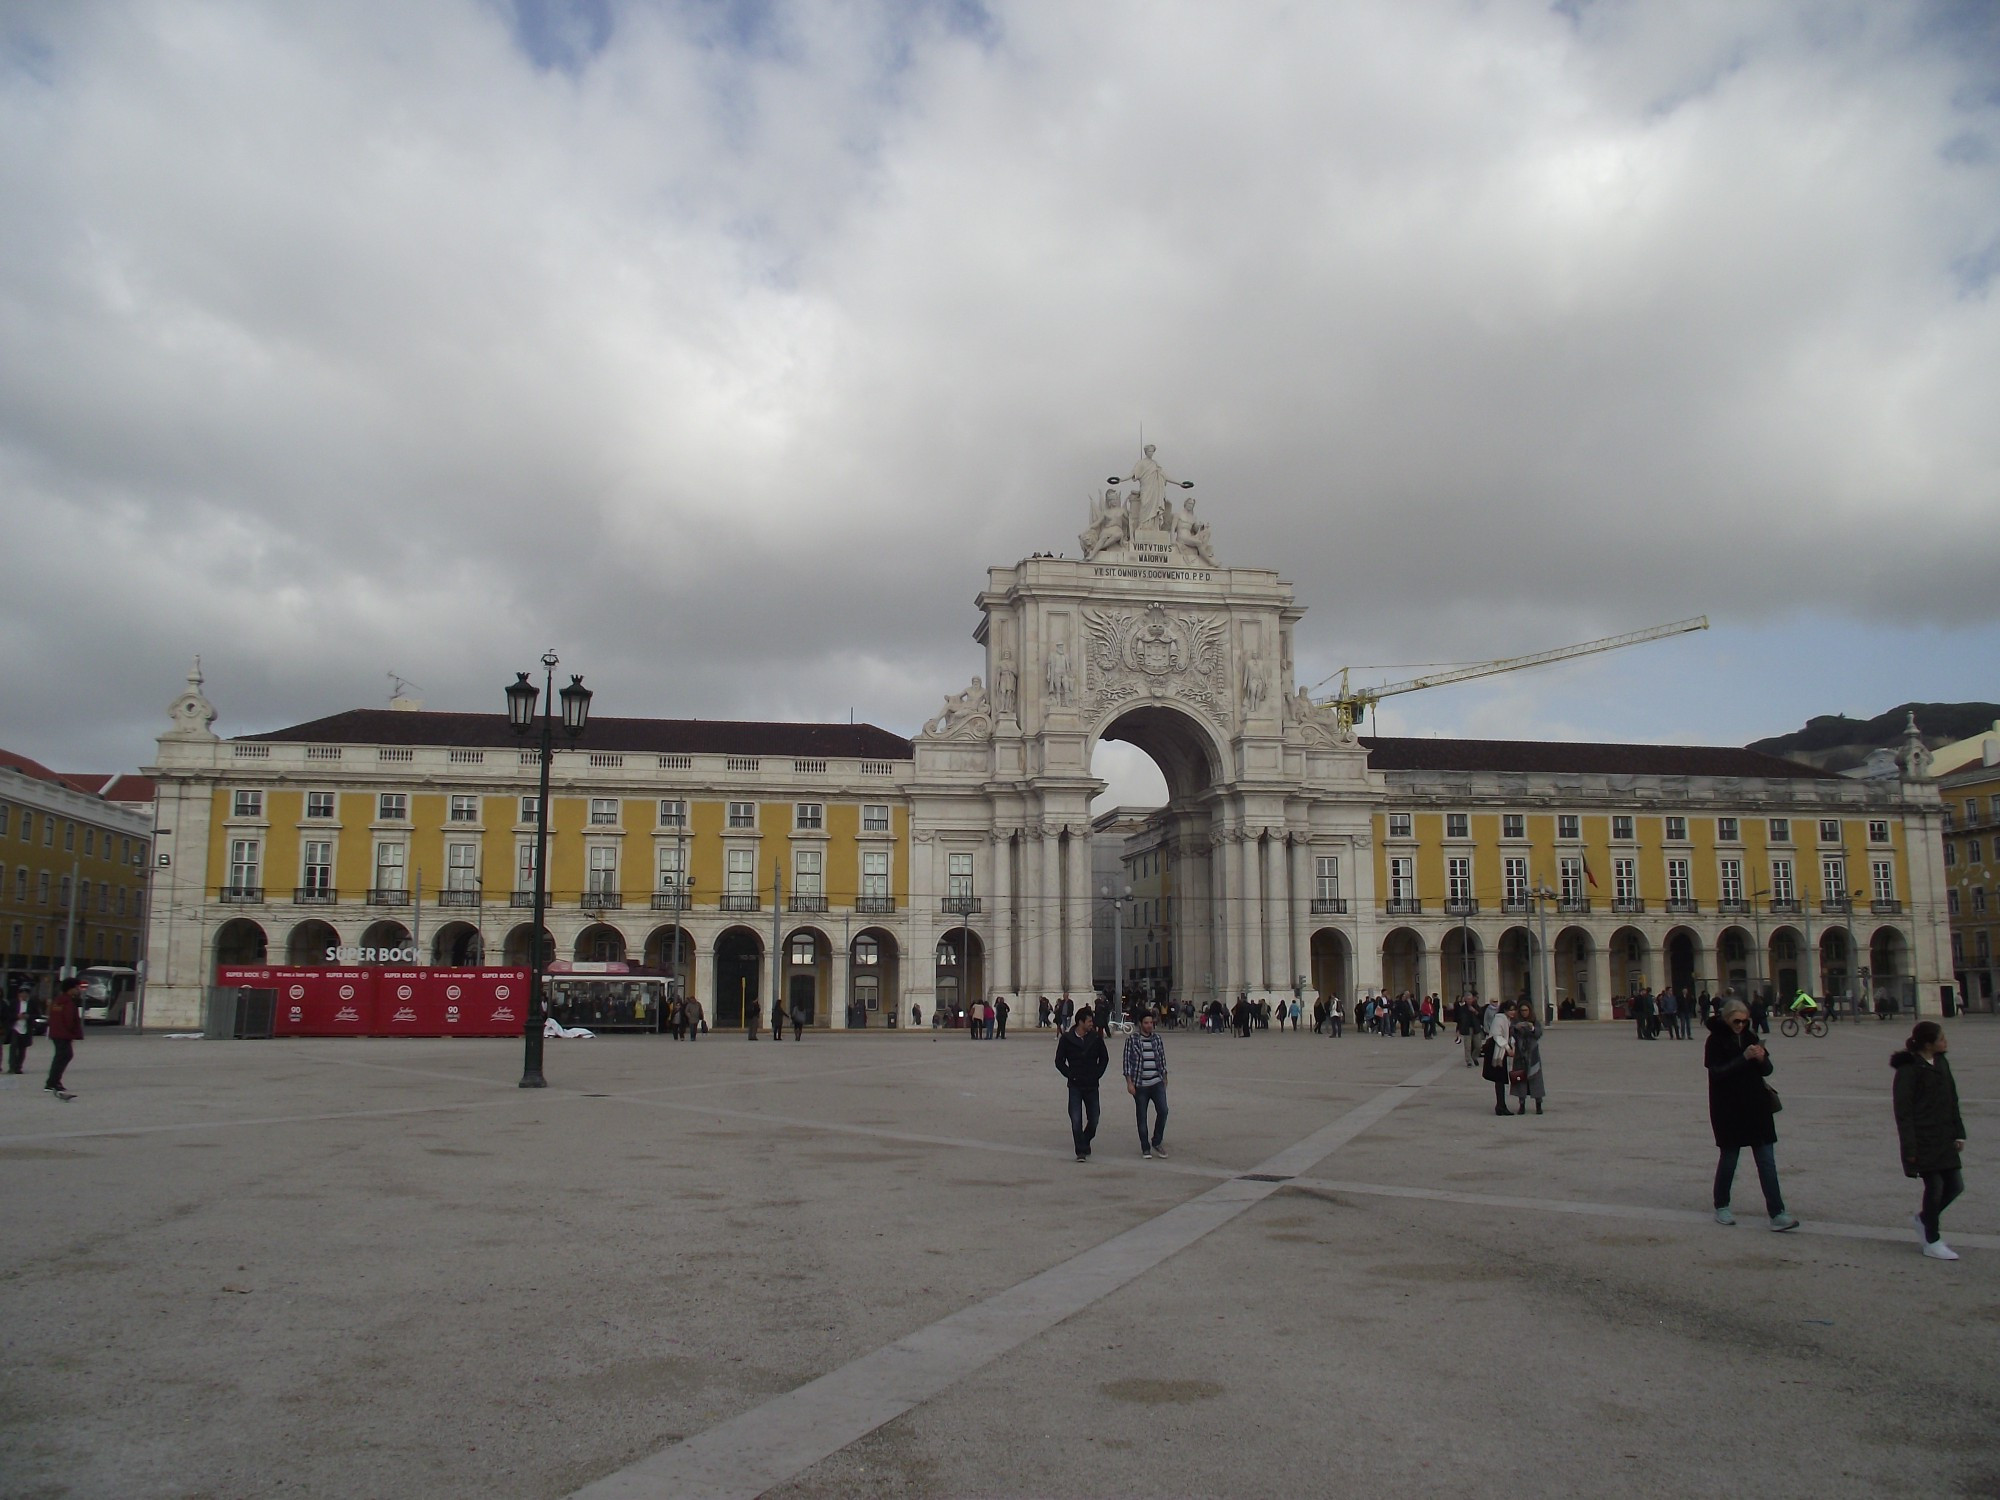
point(390, 1002)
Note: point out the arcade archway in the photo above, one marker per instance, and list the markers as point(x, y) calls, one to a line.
point(739, 973)
point(240, 942)
point(307, 946)
point(961, 973)
point(873, 963)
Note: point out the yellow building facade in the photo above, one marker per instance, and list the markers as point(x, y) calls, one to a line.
point(1972, 874)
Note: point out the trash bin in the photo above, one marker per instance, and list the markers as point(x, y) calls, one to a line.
point(239, 1013)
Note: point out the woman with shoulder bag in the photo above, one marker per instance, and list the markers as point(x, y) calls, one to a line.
point(1524, 1076)
point(1742, 1110)
point(1499, 1048)
point(1930, 1129)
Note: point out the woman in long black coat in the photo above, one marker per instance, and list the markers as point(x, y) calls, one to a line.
point(1740, 1110)
point(1930, 1129)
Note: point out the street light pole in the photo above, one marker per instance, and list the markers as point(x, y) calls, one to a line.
point(521, 699)
point(1543, 895)
point(1117, 947)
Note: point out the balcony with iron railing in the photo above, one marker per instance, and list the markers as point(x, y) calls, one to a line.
point(240, 895)
point(673, 898)
point(741, 901)
point(1461, 906)
point(1683, 906)
point(1628, 906)
point(1329, 906)
point(959, 906)
point(1784, 908)
point(874, 906)
point(1884, 906)
point(315, 895)
point(798, 902)
point(601, 900)
point(1573, 905)
point(383, 895)
point(1727, 908)
point(1404, 906)
point(521, 898)
point(1835, 906)
point(460, 900)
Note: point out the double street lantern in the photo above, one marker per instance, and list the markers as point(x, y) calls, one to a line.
point(522, 696)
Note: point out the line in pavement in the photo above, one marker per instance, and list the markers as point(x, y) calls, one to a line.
point(230, 1124)
point(758, 1449)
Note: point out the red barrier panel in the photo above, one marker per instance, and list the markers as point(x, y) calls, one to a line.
point(390, 1002)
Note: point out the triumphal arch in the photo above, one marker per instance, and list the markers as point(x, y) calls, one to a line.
point(1147, 638)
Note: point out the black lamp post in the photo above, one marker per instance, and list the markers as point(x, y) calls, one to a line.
point(521, 698)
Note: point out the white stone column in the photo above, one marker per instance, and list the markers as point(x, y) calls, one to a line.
point(1600, 979)
point(1277, 914)
point(836, 984)
point(1029, 914)
point(1000, 955)
point(1076, 976)
point(1238, 897)
point(1049, 913)
point(1489, 969)
point(1298, 938)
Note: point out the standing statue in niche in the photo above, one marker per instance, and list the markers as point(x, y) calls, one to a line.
point(1058, 677)
point(1005, 682)
point(1253, 684)
point(1154, 509)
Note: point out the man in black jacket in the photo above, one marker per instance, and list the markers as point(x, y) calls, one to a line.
point(1081, 1058)
point(19, 1011)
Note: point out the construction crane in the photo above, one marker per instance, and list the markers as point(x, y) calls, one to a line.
point(1352, 705)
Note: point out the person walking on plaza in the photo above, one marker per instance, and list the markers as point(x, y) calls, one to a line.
point(1930, 1129)
point(1081, 1058)
point(1499, 1047)
point(798, 1019)
point(777, 1019)
point(1670, 1013)
point(1742, 1110)
point(1146, 1082)
point(1001, 1010)
point(695, 1018)
point(21, 1013)
point(1336, 1015)
point(753, 1017)
point(65, 1031)
point(1524, 1073)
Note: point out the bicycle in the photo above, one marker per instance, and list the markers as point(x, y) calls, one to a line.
point(1813, 1022)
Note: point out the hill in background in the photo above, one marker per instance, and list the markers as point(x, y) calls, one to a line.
point(1834, 742)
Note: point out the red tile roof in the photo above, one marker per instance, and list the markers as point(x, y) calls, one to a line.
point(1388, 754)
point(388, 726)
point(116, 787)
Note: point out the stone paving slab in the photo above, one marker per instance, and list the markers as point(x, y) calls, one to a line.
point(377, 1268)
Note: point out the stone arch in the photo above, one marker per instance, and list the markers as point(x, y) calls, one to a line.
point(1516, 952)
point(1784, 954)
point(808, 974)
point(874, 990)
point(1185, 746)
point(660, 956)
point(1403, 956)
point(1629, 952)
point(738, 973)
point(386, 933)
point(1332, 964)
point(1571, 956)
point(961, 972)
point(1736, 957)
point(240, 942)
point(1459, 953)
point(458, 945)
point(306, 947)
point(1888, 974)
point(517, 950)
point(1683, 951)
point(1837, 977)
point(599, 943)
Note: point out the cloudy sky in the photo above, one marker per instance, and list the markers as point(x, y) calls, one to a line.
point(722, 346)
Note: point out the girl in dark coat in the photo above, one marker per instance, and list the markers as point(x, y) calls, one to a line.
point(1930, 1129)
point(1739, 1110)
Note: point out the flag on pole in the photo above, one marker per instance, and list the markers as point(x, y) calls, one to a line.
point(1586, 872)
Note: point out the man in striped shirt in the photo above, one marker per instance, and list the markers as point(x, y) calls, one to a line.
point(1146, 1082)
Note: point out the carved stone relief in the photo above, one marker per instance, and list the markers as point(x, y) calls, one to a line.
point(1134, 655)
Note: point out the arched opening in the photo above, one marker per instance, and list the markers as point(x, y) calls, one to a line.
point(1684, 967)
point(1893, 989)
point(1735, 961)
point(1629, 949)
point(739, 973)
point(873, 961)
point(239, 942)
point(661, 957)
point(458, 945)
point(599, 943)
point(518, 948)
point(808, 973)
point(1783, 951)
point(306, 947)
point(1332, 964)
point(1516, 951)
point(961, 974)
point(1836, 966)
point(1572, 960)
point(1403, 962)
point(385, 936)
point(1458, 964)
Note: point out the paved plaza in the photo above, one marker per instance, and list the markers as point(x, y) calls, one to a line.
point(866, 1265)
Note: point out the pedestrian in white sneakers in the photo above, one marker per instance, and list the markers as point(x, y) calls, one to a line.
point(1930, 1129)
point(1742, 1110)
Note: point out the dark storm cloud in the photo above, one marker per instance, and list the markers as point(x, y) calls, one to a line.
point(724, 346)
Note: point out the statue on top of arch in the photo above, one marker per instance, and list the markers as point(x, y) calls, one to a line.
point(1143, 519)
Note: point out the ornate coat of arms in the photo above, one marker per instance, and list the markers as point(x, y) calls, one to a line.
point(1157, 655)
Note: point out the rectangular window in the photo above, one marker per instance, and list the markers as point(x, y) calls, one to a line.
point(1978, 899)
point(875, 874)
point(875, 817)
point(247, 805)
point(1458, 879)
point(1782, 887)
point(602, 873)
point(806, 873)
point(1402, 875)
point(90, 840)
point(48, 830)
point(318, 868)
point(604, 812)
point(1457, 826)
point(671, 857)
point(1571, 870)
point(1569, 826)
point(958, 876)
point(464, 809)
point(1677, 830)
point(1781, 830)
point(1878, 831)
point(1973, 854)
point(1971, 810)
point(1515, 870)
point(1833, 879)
point(741, 876)
point(531, 810)
point(1951, 903)
point(69, 838)
point(1950, 852)
point(319, 804)
point(6, 819)
point(245, 857)
point(21, 883)
point(27, 826)
point(1625, 880)
point(1513, 825)
point(742, 815)
point(1727, 831)
point(524, 867)
point(1326, 877)
point(673, 813)
point(461, 867)
point(1829, 830)
point(1882, 879)
point(809, 817)
point(1399, 825)
point(1732, 882)
point(392, 807)
point(1621, 826)
point(1680, 890)
point(389, 867)
point(1982, 943)
point(42, 888)
point(1957, 948)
